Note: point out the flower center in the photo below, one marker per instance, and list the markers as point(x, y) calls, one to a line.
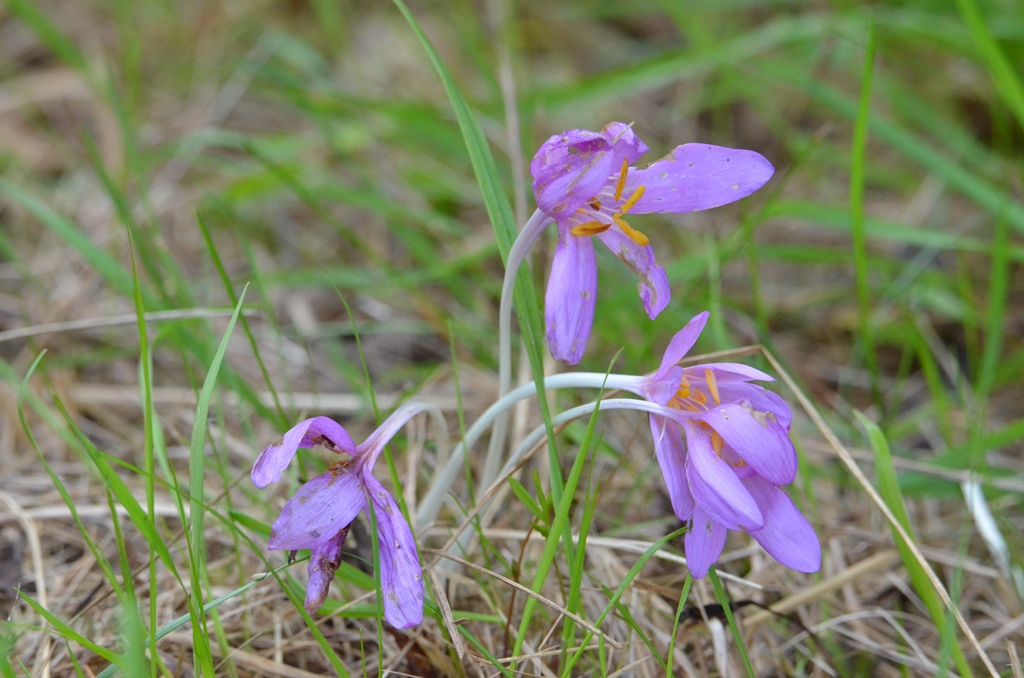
point(690, 398)
point(598, 215)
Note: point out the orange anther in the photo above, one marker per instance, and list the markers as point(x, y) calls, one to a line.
point(632, 200)
point(633, 234)
point(712, 385)
point(589, 228)
point(622, 179)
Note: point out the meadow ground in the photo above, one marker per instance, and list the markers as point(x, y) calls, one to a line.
point(164, 159)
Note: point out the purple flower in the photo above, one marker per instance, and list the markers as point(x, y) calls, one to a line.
point(724, 455)
point(319, 515)
point(581, 179)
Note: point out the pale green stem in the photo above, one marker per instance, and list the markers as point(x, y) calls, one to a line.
point(516, 256)
point(445, 477)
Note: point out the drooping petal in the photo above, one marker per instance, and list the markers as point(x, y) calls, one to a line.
point(319, 510)
point(703, 543)
point(715, 487)
point(757, 437)
point(671, 453)
point(571, 296)
point(786, 534)
point(312, 432)
point(371, 448)
point(653, 285)
point(570, 169)
point(683, 341)
point(400, 574)
point(323, 561)
point(698, 177)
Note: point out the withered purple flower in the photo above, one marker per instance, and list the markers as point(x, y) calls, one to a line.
point(319, 515)
point(584, 182)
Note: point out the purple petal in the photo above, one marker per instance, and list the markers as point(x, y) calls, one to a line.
point(731, 372)
point(653, 285)
point(312, 432)
point(571, 296)
point(671, 453)
point(660, 388)
point(715, 487)
point(786, 534)
point(703, 543)
point(698, 177)
point(319, 510)
point(757, 437)
point(626, 144)
point(400, 575)
point(760, 398)
point(372, 446)
point(683, 342)
point(323, 561)
point(570, 169)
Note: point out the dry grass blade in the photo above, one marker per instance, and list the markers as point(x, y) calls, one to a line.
point(526, 591)
point(42, 664)
point(447, 618)
point(869, 489)
point(115, 321)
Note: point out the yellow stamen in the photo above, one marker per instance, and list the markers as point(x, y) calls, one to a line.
point(622, 179)
point(717, 443)
point(631, 202)
point(712, 385)
point(699, 397)
point(683, 393)
point(633, 234)
point(589, 228)
point(596, 204)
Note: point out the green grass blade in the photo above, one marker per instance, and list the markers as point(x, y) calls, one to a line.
point(888, 487)
point(197, 467)
point(1004, 76)
point(995, 319)
point(723, 599)
point(860, 253)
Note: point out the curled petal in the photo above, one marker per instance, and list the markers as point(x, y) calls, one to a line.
point(312, 432)
point(715, 487)
point(786, 534)
point(571, 296)
point(323, 561)
point(703, 543)
point(371, 448)
point(683, 342)
point(727, 373)
point(570, 169)
point(400, 575)
point(756, 437)
point(653, 284)
point(698, 177)
point(671, 452)
point(319, 510)
point(626, 143)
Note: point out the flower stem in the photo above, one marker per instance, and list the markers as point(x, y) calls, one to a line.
point(445, 477)
point(517, 255)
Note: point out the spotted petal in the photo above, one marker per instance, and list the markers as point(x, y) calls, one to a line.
point(312, 432)
point(703, 543)
point(319, 510)
point(757, 437)
point(571, 296)
point(323, 561)
point(400, 575)
point(698, 177)
point(653, 285)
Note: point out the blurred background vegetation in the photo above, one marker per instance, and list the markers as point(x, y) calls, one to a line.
point(307, 148)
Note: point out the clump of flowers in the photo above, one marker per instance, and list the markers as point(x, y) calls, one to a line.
point(584, 181)
point(721, 440)
point(724, 451)
point(319, 515)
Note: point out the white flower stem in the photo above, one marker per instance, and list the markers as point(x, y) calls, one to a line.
point(445, 477)
point(517, 255)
